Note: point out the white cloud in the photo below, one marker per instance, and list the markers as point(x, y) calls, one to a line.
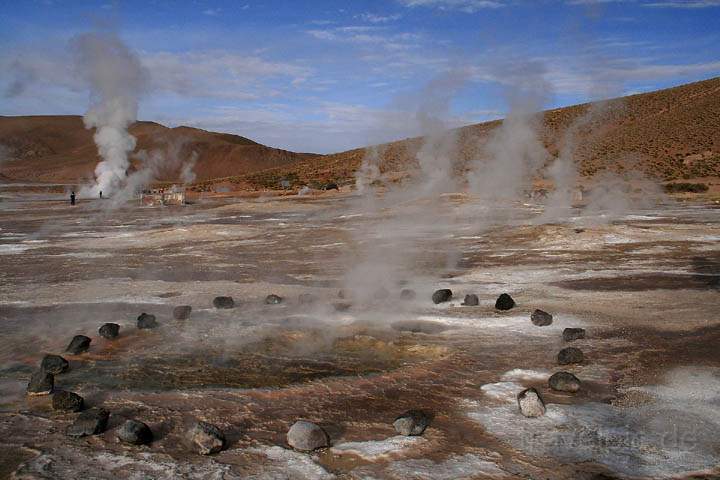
point(468, 6)
point(212, 12)
point(373, 18)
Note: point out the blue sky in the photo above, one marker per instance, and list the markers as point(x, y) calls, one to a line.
point(329, 75)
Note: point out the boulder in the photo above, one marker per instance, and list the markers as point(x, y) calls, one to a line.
point(541, 318)
point(146, 320)
point(412, 422)
point(41, 383)
point(109, 330)
point(206, 438)
point(564, 382)
point(307, 299)
point(89, 422)
point(330, 186)
point(223, 302)
point(134, 432)
point(570, 334)
point(471, 300)
point(442, 295)
point(273, 299)
point(531, 403)
point(182, 312)
point(307, 436)
point(504, 302)
point(54, 364)
point(67, 401)
point(407, 294)
point(569, 355)
point(79, 344)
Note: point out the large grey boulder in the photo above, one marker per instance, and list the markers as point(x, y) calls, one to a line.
point(223, 302)
point(182, 312)
point(570, 355)
point(135, 433)
point(89, 422)
point(307, 436)
point(471, 300)
point(78, 345)
point(504, 302)
point(54, 364)
point(442, 295)
point(564, 382)
point(273, 299)
point(109, 330)
point(412, 422)
point(570, 334)
point(41, 383)
point(531, 403)
point(206, 438)
point(541, 318)
point(146, 321)
point(67, 401)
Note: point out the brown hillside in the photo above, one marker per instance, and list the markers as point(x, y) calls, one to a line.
point(60, 149)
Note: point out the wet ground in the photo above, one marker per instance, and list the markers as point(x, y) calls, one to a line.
point(645, 286)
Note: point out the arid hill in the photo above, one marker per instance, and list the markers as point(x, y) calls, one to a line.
point(60, 149)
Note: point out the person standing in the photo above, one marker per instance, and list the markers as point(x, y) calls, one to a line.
point(72, 198)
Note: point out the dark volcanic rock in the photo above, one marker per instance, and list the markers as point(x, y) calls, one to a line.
point(570, 355)
point(146, 320)
point(206, 438)
point(504, 302)
point(182, 312)
point(109, 330)
point(79, 344)
point(223, 302)
point(89, 422)
point(331, 186)
point(471, 300)
point(41, 383)
point(54, 364)
point(407, 294)
point(412, 422)
point(570, 334)
point(541, 318)
point(442, 295)
point(307, 299)
point(67, 401)
point(564, 382)
point(134, 432)
point(531, 403)
point(273, 299)
point(307, 436)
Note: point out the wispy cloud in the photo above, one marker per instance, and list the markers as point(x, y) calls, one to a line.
point(373, 18)
point(468, 6)
point(684, 4)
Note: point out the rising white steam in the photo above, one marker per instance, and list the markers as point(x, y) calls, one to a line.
point(116, 80)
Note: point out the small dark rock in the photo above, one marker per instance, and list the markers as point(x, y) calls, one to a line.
point(54, 364)
point(541, 318)
point(407, 294)
point(134, 432)
point(89, 422)
point(579, 230)
point(570, 355)
point(223, 302)
point(146, 320)
point(412, 422)
point(206, 438)
point(307, 299)
point(41, 383)
point(182, 312)
point(471, 300)
point(307, 436)
point(504, 302)
point(67, 401)
point(273, 299)
point(331, 186)
point(79, 344)
point(342, 294)
point(442, 295)
point(564, 382)
point(570, 334)
point(531, 403)
point(109, 330)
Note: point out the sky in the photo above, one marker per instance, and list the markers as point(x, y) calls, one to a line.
point(330, 75)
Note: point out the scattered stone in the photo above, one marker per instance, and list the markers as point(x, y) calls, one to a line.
point(135, 433)
point(109, 330)
point(182, 312)
point(412, 422)
point(273, 299)
point(146, 320)
point(41, 383)
point(342, 306)
point(579, 230)
point(442, 295)
point(504, 302)
point(307, 299)
point(541, 318)
point(223, 302)
point(89, 422)
point(471, 300)
point(79, 344)
point(307, 436)
point(206, 438)
point(570, 334)
point(67, 401)
point(570, 355)
point(531, 403)
point(54, 364)
point(407, 294)
point(564, 382)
